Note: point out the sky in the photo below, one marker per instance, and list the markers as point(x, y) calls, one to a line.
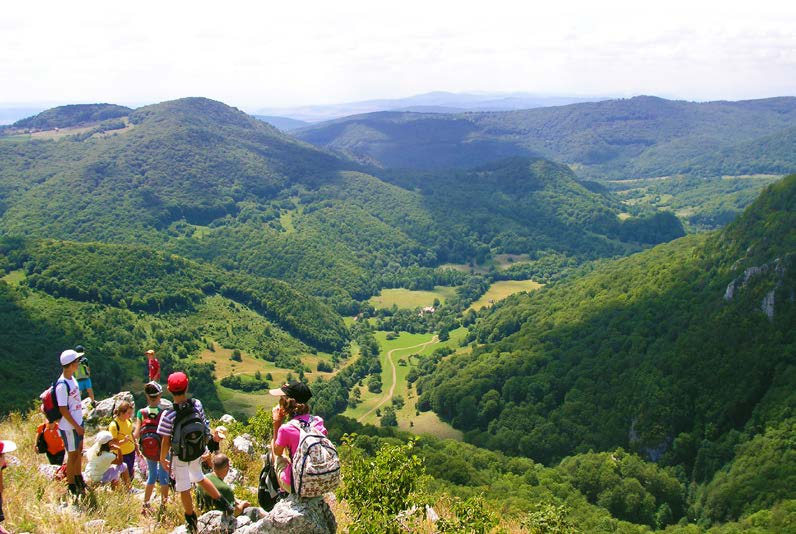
point(278, 54)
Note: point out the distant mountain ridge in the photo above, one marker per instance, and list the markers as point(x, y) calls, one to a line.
point(638, 137)
point(434, 102)
point(72, 115)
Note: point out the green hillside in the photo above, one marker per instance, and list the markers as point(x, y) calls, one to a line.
point(117, 299)
point(637, 137)
point(70, 116)
point(202, 180)
point(683, 353)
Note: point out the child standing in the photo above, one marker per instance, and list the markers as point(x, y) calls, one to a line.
point(70, 426)
point(5, 447)
point(149, 441)
point(185, 431)
point(83, 374)
point(153, 365)
point(121, 429)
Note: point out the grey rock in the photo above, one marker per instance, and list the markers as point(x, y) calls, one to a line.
point(295, 516)
point(227, 419)
point(234, 477)
point(211, 523)
point(48, 470)
point(105, 407)
point(244, 444)
point(768, 304)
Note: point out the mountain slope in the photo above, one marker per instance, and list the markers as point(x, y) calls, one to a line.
point(637, 137)
point(203, 180)
point(673, 352)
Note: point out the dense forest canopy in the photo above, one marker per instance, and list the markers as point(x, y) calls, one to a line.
point(680, 352)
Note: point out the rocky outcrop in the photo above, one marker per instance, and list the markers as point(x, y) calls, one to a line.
point(768, 304)
point(295, 516)
point(244, 444)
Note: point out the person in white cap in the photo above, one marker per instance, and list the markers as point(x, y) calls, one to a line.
point(5, 446)
point(67, 394)
point(105, 463)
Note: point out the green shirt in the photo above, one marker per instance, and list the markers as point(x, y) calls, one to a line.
point(82, 372)
point(204, 500)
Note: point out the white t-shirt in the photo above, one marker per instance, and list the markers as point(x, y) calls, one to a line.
point(72, 401)
point(98, 464)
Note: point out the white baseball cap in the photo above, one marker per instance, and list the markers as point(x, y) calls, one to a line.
point(68, 356)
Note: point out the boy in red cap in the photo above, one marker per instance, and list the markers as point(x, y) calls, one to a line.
point(185, 431)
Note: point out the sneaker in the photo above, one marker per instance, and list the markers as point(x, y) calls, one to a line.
point(146, 509)
point(191, 523)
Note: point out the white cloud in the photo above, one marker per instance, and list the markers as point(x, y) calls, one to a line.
point(257, 54)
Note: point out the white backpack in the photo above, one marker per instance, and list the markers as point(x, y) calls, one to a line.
point(315, 463)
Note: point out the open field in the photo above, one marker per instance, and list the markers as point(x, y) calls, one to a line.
point(14, 277)
point(402, 348)
point(408, 299)
point(500, 290)
point(501, 262)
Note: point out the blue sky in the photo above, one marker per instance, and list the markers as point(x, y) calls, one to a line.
point(266, 54)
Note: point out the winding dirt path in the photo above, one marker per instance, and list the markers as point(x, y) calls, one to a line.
point(389, 395)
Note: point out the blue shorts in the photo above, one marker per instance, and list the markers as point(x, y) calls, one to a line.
point(156, 473)
point(72, 440)
point(84, 384)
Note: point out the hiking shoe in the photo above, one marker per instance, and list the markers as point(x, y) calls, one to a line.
point(146, 509)
point(191, 523)
point(225, 506)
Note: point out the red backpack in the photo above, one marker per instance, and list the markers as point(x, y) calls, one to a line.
point(49, 404)
point(149, 440)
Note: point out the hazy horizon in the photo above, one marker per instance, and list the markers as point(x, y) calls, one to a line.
point(253, 55)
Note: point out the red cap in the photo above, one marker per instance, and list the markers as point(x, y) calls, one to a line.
point(178, 381)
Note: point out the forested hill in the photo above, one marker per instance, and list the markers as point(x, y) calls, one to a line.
point(683, 352)
point(203, 180)
point(637, 137)
point(71, 116)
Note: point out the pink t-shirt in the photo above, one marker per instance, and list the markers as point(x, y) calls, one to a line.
point(288, 436)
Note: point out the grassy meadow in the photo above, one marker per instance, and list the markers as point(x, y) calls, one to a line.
point(404, 347)
point(500, 290)
point(408, 299)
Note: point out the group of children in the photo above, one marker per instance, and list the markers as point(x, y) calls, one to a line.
point(175, 441)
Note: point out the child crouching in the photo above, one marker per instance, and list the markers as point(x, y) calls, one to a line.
point(105, 462)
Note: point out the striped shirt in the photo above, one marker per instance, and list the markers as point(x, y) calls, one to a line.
point(166, 424)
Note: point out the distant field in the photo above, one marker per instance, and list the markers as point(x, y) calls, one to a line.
point(425, 423)
point(500, 262)
point(405, 298)
point(500, 290)
point(14, 277)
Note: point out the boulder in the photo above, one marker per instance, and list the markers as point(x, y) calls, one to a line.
point(227, 419)
point(48, 470)
point(104, 408)
point(295, 516)
point(244, 444)
point(234, 477)
point(211, 523)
